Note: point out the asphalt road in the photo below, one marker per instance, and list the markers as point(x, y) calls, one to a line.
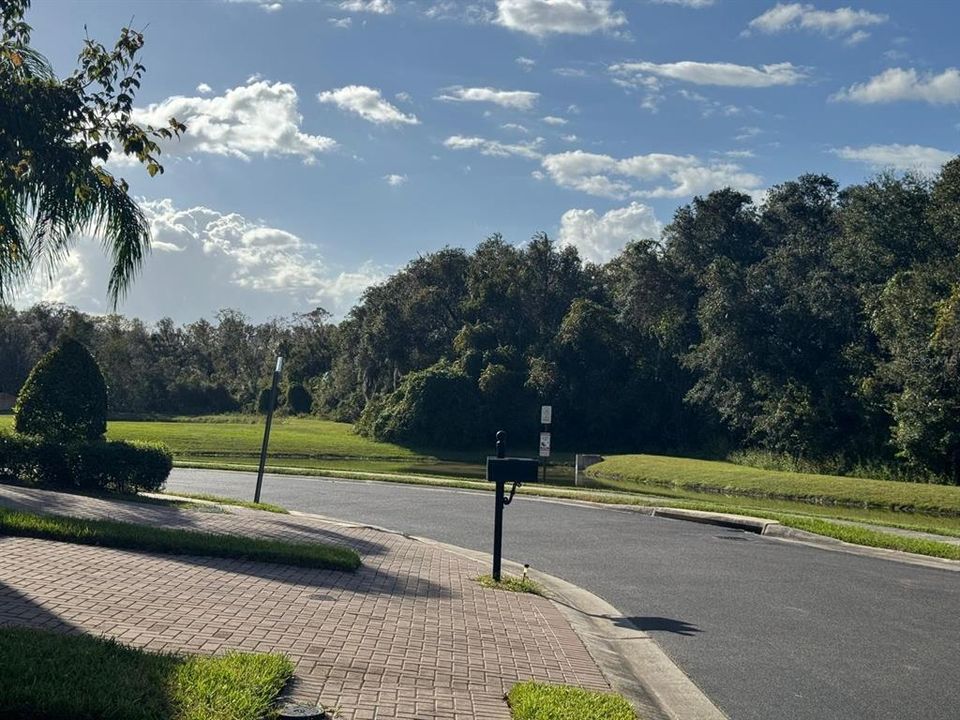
point(766, 628)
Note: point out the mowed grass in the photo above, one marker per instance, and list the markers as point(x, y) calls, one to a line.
point(646, 473)
point(321, 447)
point(541, 701)
point(48, 676)
point(129, 536)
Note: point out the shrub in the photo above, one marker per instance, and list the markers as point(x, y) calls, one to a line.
point(299, 400)
point(64, 398)
point(199, 397)
point(116, 466)
point(263, 400)
point(437, 407)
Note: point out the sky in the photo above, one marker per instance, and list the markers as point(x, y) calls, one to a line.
point(329, 142)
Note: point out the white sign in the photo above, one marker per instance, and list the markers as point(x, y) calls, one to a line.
point(546, 414)
point(544, 444)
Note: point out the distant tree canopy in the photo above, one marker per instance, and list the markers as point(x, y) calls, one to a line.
point(823, 323)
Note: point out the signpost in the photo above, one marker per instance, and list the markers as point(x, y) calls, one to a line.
point(272, 403)
point(546, 417)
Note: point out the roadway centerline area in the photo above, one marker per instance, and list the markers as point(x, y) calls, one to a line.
point(765, 628)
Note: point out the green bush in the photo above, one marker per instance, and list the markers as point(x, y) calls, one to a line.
point(436, 407)
point(299, 400)
point(64, 399)
point(263, 400)
point(116, 466)
point(199, 397)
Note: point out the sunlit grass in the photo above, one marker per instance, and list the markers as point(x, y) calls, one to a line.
point(47, 676)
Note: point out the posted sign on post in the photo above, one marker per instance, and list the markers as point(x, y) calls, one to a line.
point(544, 444)
point(546, 414)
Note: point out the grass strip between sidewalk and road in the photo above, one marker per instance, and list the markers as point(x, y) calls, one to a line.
point(542, 701)
point(48, 675)
point(130, 536)
point(220, 500)
point(510, 584)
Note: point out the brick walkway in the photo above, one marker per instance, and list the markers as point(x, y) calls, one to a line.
point(408, 636)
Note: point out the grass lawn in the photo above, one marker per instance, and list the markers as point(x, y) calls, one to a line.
point(129, 536)
point(313, 446)
point(540, 701)
point(47, 676)
point(645, 473)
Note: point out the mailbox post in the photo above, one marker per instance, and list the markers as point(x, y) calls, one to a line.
point(502, 470)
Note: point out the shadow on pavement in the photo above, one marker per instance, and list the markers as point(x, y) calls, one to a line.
point(659, 624)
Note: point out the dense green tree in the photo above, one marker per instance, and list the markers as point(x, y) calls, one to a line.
point(55, 136)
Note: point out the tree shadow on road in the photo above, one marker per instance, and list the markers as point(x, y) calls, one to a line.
point(650, 623)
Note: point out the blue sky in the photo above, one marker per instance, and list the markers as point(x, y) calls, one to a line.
point(331, 141)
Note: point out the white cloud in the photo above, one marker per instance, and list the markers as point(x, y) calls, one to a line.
point(553, 120)
point(544, 17)
point(686, 3)
point(516, 127)
point(342, 23)
point(856, 38)
point(203, 88)
point(569, 138)
point(569, 72)
point(368, 103)
point(525, 63)
point(514, 99)
point(897, 157)
point(898, 84)
point(798, 16)
point(380, 7)
point(259, 118)
point(215, 260)
point(716, 73)
point(495, 148)
point(471, 13)
point(656, 175)
point(394, 180)
point(643, 175)
point(599, 238)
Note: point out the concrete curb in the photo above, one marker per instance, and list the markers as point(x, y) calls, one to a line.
point(738, 522)
point(822, 542)
point(629, 658)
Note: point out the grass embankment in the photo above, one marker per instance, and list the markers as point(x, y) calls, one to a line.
point(48, 676)
point(646, 472)
point(541, 701)
point(128, 536)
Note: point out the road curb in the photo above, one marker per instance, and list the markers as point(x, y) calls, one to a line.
point(629, 658)
point(757, 525)
point(823, 542)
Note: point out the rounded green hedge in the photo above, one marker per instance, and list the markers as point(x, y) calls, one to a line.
point(64, 399)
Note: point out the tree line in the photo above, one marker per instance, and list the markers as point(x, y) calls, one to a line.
point(821, 324)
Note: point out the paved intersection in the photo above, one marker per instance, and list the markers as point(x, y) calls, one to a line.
point(766, 628)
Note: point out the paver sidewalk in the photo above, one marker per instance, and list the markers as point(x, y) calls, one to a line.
point(409, 635)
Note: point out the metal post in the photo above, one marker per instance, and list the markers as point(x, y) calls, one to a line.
point(498, 514)
point(271, 404)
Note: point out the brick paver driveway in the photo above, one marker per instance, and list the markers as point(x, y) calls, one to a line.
point(409, 635)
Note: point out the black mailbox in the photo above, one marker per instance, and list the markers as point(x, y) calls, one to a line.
point(512, 470)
